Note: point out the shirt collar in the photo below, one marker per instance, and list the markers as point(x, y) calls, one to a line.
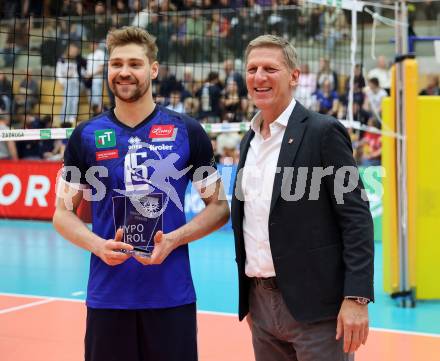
point(283, 118)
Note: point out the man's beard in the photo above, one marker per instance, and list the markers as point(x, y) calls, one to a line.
point(138, 93)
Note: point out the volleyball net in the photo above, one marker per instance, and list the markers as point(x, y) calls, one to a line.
point(54, 67)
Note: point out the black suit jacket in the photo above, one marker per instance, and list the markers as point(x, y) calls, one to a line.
point(322, 250)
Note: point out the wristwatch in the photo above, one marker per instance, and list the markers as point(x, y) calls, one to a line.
point(359, 300)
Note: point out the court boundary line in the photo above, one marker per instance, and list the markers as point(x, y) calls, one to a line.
point(26, 305)
point(213, 313)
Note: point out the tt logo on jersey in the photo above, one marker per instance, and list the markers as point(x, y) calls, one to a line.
point(105, 138)
point(163, 133)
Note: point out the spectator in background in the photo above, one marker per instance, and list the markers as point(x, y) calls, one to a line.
point(231, 74)
point(165, 83)
point(8, 149)
point(120, 13)
point(189, 84)
point(233, 104)
point(326, 73)
point(227, 148)
point(382, 73)
point(327, 100)
point(432, 87)
point(209, 97)
point(30, 149)
point(309, 19)
point(374, 95)
point(334, 27)
point(217, 33)
point(306, 86)
point(94, 74)
point(69, 71)
point(6, 95)
point(175, 103)
point(371, 145)
point(195, 28)
point(359, 80)
point(142, 15)
point(98, 28)
point(28, 94)
point(191, 106)
point(431, 9)
point(53, 149)
point(244, 27)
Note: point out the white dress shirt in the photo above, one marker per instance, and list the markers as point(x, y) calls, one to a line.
point(257, 184)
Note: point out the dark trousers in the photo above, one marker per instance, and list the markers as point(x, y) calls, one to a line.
point(277, 336)
point(168, 334)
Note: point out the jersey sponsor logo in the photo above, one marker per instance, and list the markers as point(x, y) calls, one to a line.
point(135, 143)
point(105, 138)
point(159, 147)
point(107, 154)
point(163, 133)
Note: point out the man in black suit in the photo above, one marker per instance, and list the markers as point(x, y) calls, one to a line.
point(302, 225)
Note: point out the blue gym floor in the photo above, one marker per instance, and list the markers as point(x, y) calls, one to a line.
point(35, 260)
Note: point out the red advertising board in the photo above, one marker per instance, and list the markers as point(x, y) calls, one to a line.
point(27, 189)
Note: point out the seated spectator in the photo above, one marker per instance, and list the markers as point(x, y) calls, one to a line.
point(195, 28)
point(232, 103)
point(358, 80)
point(5, 93)
point(175, 102)
point(53, 149)
point(431, 10)
point(28, 95)
point(306, 86)
point(217, 33)
point(94, 76)
point(382, 73)
point(166, 82)
point(8, 149)
point(30, 149)
point(334, 27)
point(69, 72)
point(326, 73)
point(231, 74)
point(227, 148)
point(432, 88)
point(97, 29)
point(327, 100)
point(191, 106)
point(141, 15)
point(209, 96)
point(371, 146)
point(374, 95)
point(189, 84)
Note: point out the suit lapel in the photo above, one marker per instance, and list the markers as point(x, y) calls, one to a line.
point(238, 189)
point(289, 147)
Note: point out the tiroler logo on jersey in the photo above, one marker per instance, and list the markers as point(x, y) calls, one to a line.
point(163, 133)
point(105, 138)
point(134, 143)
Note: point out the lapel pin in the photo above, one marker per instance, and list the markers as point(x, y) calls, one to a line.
point(290, 141)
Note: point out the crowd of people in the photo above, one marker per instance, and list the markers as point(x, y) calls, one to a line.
point(79, 63)
point(216, 99)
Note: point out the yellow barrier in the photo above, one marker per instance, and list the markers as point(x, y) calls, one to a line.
point(423, 188)
point(427, 199)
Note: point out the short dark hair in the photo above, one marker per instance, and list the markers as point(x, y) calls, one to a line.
point(374, 81)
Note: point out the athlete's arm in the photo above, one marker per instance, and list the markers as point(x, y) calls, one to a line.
point(70, 226)
point(212, 217)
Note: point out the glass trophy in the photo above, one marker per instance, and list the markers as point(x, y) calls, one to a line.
point(140, 216)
